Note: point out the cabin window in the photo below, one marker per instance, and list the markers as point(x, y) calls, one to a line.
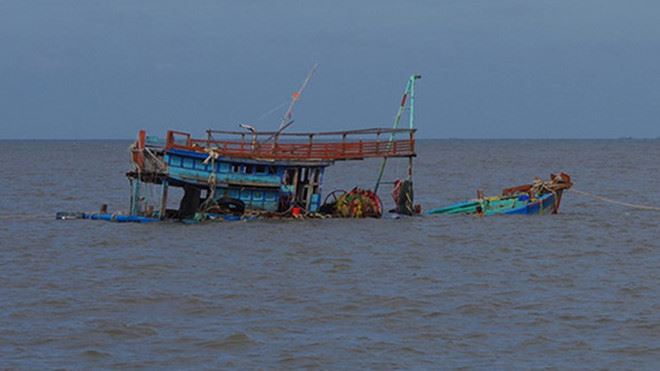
point(233, 193)
point(188, 163)
point(271, 196)
point(272, 170)
point(223, 167)
point(249, 169)
point(288, 176)
point(235, 168)
point(257, 195)
point(175, 161)
point(260, 169)
point(246, 195)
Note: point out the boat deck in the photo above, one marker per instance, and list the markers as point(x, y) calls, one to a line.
point(329, 146)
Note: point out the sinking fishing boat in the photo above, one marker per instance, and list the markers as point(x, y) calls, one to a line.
point(234, 175)
point(539, 197)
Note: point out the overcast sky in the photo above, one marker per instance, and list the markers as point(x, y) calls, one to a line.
point(491, 69)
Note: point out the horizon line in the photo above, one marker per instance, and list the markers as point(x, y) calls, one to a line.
point(425, 138)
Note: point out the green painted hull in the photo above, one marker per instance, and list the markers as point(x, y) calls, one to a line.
point(517, 204)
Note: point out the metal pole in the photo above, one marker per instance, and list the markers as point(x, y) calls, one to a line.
point(411, 119)
point(410, 88)
point(135, 210)
point(286, 120)
point(132, 200)
point(411, 123)
point(163, 200)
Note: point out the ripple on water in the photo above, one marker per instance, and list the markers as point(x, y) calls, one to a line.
point(234, 341)
point(95, 354)
point(116, 329)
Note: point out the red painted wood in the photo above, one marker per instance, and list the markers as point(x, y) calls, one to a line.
point(345, 149)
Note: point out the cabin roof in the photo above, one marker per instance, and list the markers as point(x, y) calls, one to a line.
point(295, 147)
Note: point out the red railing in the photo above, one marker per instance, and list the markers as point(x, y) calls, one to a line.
point(350, 145)
point(178, 138)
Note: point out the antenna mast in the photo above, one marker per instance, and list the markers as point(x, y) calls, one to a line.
point(286, 119)
point(409, 92)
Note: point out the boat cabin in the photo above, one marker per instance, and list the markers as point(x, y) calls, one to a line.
point(260, 185)
point(269, 171)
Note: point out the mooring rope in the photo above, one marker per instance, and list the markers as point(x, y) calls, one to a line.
point(25, 217)
point(609, 200)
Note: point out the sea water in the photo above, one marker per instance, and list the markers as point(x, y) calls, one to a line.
point(578, 289)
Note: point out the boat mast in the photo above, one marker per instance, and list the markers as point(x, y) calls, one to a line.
point(286, 119)
point(409, 92)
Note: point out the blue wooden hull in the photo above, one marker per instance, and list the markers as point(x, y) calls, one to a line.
point(120, 218)
point(543, 205)
point(141, 219)
point(512, 205)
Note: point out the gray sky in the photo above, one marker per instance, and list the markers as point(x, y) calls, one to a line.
point(491, 69)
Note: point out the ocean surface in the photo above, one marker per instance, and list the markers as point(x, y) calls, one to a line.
point(576, 290)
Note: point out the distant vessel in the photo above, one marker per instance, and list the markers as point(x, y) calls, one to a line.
point(539, 197)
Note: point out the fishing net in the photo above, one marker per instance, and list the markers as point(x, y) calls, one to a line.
point(359, 203)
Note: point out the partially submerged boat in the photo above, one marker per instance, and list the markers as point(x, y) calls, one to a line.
point(249, 172)
point(538, 197)
point(237, 175)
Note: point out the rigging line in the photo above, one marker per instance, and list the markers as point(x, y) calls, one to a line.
point(295, 97)
point(609, 200)
point(271, 111)
point(26, 217)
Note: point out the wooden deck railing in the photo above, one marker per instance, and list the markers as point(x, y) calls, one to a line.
point(329, 146)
